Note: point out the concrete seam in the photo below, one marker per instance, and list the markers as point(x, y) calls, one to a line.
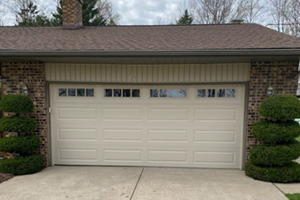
point(137, 183)
point(278, 188)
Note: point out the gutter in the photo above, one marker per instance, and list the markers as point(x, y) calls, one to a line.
point(91, 53)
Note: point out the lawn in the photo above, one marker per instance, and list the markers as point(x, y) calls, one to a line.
point(293, 196)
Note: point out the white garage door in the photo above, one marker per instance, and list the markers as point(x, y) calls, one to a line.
point(131, 125)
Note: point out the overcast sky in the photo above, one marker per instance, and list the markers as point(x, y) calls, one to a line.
point(133, 12)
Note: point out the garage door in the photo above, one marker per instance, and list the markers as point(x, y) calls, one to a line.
point(131, 125)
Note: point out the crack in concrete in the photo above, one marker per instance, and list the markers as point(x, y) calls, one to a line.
point(137, 184)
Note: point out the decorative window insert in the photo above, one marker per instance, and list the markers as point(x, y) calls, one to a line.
point(218, 93)
point(122, 93)
point(162, 93)
point(76, 92)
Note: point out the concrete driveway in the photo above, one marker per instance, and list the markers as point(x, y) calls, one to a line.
point(137, 183)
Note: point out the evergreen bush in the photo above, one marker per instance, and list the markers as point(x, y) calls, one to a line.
point(22, 165)
point(276, 132)
point(22, 144)
point(280, 107)
point(273, 161)
point(270, 155)
point(17, 124)
point(16, 103)
point(26, 162)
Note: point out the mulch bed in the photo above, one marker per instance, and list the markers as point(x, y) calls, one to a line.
point(5, 177)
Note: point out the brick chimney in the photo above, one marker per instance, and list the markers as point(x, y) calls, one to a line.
point(72, 14)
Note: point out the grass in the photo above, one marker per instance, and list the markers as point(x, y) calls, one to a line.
point(293, 196)
point(298, 139)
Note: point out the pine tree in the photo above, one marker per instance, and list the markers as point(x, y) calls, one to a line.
point(186, 19)
point(29, 16)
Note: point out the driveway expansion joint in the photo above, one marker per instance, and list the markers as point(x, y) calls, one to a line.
point(278, 188)
point(137, 184)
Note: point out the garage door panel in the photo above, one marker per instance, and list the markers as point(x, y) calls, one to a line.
point(146, 131)
point(214, 136)
point(78, 154)
point(170, 114)
point(122, 155)
point(122, 114)
point(71, 134)
point(215, 115)
point(167, 156)
point(167, 135)
point(122, 135)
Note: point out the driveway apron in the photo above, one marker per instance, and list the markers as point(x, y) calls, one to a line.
point(137, 183)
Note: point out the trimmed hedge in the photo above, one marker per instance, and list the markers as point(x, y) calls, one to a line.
point(20, 144)
point(22, 165)
point(16, 103)
point(280, 107)
point(279, 174)
point(17, 124)
point(276, 132)
point(275, 155)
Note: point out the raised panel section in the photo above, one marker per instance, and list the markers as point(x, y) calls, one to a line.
point(214, 136)
point(215, 114)
point(76, 113)
point(77, 134)
point(120, 114)
point(167, 135)
point(172, 73)
point(122, 135)
point(168, 114)
point(78, 154)
point(167, 156)
point(122, 155)
point(213, 157)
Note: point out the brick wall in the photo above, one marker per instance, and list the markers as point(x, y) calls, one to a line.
point(72, 13)
point(33, 74)
point(280, 75)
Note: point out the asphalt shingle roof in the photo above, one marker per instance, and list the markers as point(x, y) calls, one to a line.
point(145, 38)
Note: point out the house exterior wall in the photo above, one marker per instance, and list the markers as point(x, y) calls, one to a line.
point(172, 73)
point(279, 75)
point(32, 74)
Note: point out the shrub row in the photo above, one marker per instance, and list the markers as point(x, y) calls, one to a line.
point(270, 155)
point(17, 124)
point(279, 174)
point(276, 132)
point(16, 103)
point(20, 144)
point(280, 107)
point(22, 165)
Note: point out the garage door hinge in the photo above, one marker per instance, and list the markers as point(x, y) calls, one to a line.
point(49, 109)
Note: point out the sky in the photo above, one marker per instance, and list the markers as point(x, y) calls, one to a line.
point(133, 12)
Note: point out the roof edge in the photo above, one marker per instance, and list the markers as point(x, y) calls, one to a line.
point(237, 52)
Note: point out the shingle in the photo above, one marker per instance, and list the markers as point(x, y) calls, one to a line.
point(145, 38)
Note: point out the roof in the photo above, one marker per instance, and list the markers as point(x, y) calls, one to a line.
point(145, 38)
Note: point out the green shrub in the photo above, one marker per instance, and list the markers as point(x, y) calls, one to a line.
point(20, 144)
point(281, 107)
point(22, 165)
point(16, 103)
point(17, 124)
point(276, 132)
point(275, 155)
point(279, 174)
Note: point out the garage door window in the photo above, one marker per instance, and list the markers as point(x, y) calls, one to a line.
point(73, 92)
point(121, 92)
point(168, 93)
point(216, 93)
